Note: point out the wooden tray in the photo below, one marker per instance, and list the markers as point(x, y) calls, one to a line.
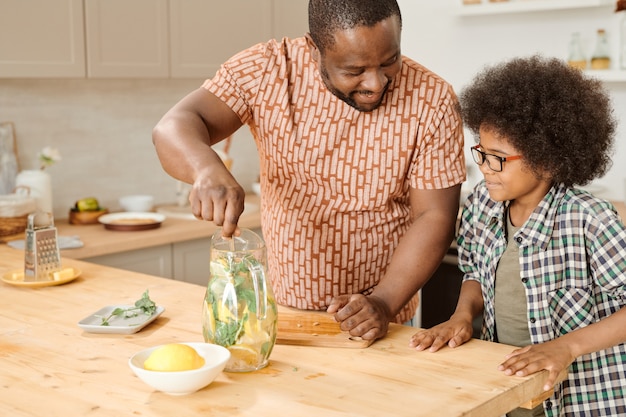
point(313, 328)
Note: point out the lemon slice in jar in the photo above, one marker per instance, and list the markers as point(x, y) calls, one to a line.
point(243, 357)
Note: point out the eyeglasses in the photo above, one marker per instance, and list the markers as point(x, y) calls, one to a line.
point(494, 162)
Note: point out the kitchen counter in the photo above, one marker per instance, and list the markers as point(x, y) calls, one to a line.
point(100, 241)
point(50, 366)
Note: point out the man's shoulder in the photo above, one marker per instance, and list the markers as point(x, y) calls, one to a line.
point(277, 48)
point(414, 68)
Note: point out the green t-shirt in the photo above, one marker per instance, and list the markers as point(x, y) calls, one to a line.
point(510, 306)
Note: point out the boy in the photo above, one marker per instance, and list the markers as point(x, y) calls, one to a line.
point(543, 262)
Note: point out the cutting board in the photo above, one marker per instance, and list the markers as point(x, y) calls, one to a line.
point(313, 328)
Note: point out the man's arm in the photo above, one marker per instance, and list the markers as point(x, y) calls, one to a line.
point(183, 139)
point(416, 257)
point(422, 247)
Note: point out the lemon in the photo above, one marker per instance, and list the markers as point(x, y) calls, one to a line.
point(219, 268)
point(173, 357)
point(242, 357)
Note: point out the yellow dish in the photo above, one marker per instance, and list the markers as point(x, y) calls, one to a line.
point(17, 278)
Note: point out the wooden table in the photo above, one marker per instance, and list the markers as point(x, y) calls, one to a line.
point(50, 366)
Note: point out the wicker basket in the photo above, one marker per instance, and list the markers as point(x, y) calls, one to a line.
point(14, 211)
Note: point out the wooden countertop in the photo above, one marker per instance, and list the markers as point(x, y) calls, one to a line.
point(50, 366)
point(100, 241)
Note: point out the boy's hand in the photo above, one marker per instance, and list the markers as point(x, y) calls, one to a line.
point(552, 356)
point(453, 332)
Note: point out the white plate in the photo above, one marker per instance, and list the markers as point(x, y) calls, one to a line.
point(119, 325)
point(131, 220)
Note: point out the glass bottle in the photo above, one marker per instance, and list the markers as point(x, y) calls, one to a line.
point(601, 58)
point(576, 57)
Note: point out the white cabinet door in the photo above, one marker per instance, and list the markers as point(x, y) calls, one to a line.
point(204, 33)
point(127, 38)
point(156, 260)
point(191, 261)
point(42, 38)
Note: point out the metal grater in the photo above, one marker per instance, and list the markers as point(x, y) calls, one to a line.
point(41, 258)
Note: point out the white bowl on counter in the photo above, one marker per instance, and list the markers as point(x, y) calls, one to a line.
point(137, 203)
point(182, 382)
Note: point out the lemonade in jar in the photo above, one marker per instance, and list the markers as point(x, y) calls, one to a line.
point(239, 310)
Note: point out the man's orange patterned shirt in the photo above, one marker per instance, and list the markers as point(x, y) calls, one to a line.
point(334, 180)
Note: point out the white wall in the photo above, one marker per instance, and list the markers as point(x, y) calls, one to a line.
point(457, 47)
point(103, 131)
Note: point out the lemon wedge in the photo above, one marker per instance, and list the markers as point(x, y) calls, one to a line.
point(243, 357)
point(173, 357)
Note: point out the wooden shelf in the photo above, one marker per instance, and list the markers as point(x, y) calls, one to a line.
point(608, 76)
point(522, 6)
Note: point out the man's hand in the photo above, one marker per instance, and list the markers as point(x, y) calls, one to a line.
point(218, 198)
point(362, 316)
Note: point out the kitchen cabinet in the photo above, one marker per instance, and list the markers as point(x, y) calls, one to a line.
point(183, 261)
point(42, 38)
point(84, 38)
point(191, 261)
point(156, 260)
point(204, 34)
point(138, 39)
point(127, 39)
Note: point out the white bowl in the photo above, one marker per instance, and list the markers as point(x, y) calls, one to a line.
point(183, 382)
point(137, 203)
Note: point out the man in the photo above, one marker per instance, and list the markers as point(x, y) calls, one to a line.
point(361, 156)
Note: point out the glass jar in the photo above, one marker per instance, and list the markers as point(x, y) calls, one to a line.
point(601, 58)
point(40, 185)
point(576, 57)
point(239, 310)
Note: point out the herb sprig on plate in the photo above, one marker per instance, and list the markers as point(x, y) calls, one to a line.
point(144, 305)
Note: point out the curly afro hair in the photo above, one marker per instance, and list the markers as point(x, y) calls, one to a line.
point(329, 16)
point(560, 120)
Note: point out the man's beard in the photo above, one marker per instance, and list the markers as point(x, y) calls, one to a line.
point(347, 98)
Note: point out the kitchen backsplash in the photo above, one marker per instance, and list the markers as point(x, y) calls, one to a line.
point(103, 130)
